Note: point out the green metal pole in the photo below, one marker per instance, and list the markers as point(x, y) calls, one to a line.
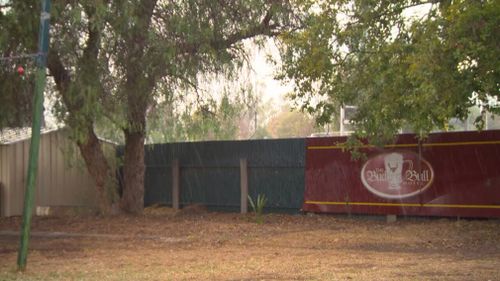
point(41, 62)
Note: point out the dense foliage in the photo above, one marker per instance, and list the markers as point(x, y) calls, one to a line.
point(16, 85)
point(115, 60)
point(409, 64)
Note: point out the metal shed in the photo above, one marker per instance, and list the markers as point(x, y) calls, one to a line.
point(62, 177)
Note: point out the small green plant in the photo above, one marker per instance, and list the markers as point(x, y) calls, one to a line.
point(258, 207)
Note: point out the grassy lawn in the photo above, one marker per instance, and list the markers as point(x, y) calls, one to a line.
point(224, 246)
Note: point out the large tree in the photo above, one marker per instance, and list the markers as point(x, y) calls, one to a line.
point(405, 64)
point(112, 59)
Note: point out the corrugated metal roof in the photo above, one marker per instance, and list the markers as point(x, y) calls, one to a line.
point(11, 135)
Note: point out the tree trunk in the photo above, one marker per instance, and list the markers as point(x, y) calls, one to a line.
point(100, 170)
point(133, 173)
point(90, 148)
point(137, 90)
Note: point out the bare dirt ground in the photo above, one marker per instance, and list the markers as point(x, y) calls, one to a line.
point(228, 246)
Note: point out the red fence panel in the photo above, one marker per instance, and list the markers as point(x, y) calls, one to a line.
point(450, 174)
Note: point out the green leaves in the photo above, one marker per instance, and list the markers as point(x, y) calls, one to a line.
point(16, 93)
point(17, 41)
point(258, 207)
point(400, 71)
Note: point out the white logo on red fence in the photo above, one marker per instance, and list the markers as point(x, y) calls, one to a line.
point(397, 174)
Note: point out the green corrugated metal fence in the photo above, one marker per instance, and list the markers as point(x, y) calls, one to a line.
point(210, 172)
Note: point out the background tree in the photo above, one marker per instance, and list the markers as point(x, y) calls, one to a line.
point(221, 108)
point(288, 123)
point(209, 120)
point(226, 110)
point(403, 63)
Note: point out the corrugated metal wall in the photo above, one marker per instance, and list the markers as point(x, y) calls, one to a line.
point(210, 172)
point(4, 178)
point(62, 179)
point(448, 174)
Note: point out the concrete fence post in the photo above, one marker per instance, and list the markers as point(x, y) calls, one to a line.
point(244, 185)
point(175, 184)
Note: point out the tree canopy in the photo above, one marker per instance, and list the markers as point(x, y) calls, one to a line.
point(288, 123)
point(405, 64)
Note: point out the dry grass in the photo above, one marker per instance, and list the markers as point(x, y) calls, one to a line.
point(221, 246)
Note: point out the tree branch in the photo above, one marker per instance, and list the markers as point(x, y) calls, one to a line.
point(401, 9)
point(264, 28)
point(91, 50)
point(57, 70)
